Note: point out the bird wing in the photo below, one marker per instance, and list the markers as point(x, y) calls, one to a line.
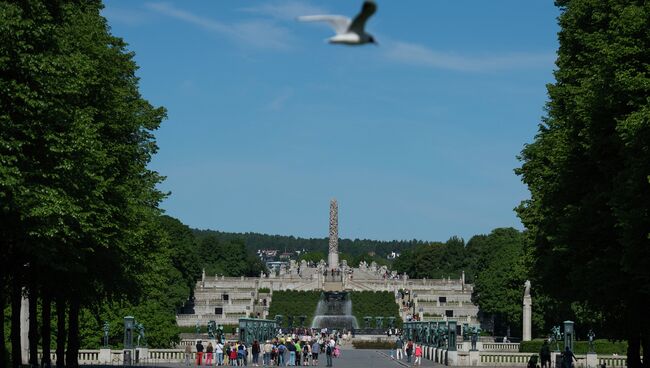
point(338, 22)
point(359, 23)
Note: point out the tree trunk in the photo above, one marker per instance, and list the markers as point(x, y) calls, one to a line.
point(3, 348)
point(33, 319)
point(72, 353)
point(16, 298)
point(60, 331)
point(633, 351)
point(46, 333)
point(3, 357)
point(645, 344)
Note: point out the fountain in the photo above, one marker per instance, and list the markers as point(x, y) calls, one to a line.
point(334, 311)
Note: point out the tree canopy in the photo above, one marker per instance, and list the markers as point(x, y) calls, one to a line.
point(587, 169)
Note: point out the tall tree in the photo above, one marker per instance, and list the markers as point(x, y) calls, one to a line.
point(587, 169)
point(499, 275)
point(75, 140)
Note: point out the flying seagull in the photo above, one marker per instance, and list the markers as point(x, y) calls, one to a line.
point(348, 32)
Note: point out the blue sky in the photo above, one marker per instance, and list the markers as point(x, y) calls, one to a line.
point(416, 138)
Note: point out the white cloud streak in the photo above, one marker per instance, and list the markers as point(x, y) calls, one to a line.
point(285, 10)
point(279, 101)
point(256, 33)
point(414, 54)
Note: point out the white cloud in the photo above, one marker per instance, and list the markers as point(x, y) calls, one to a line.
point(131, 17)
point(414, 54)
point(256, 33)
point(278, 102)
point(285, 10)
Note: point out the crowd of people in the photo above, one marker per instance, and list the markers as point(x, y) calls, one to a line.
point(408, 349)
point(291, 350)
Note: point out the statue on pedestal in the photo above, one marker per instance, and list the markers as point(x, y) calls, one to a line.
point(106, 330)
point(591, 335)
point(363, 265)
point(526, 288)
point(139, 327)
point(556, 336)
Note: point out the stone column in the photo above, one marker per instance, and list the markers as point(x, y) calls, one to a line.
point(528, 311)
point(333, 256)
point(24, 328)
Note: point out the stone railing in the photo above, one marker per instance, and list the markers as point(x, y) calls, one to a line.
point(506, 359)
point(613, 361)
point(501, 346)
point(85, 356)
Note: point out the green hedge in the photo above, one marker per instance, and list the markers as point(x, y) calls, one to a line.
point(264, 290)
point(601, 346)
point(294, 303)
point(375, 304)
point(373, 344)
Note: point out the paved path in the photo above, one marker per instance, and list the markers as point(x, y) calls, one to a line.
point(353, 358)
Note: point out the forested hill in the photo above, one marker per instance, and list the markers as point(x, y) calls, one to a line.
point(356, 247)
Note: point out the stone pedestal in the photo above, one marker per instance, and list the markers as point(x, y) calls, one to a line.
point(452, 357)
point(474, 357)
point(142, 355)
point(592, 360)
point(104, 356)
point(527, 320)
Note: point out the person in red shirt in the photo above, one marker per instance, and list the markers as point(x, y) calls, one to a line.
point(418, 355)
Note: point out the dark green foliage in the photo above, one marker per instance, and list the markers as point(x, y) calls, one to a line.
point(294, 303)
point(76, 197)
point(375, 304)
point(313, 256)
point(587, 169)
point(356, 247)
point(500, 270)
point(433, 260)
point(228, 258)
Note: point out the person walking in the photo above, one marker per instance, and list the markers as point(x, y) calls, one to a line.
point(328, 355)
point(292, 352)
point(188, 354)
point(399, 348)
point(255, 350)
point(409, 350)
point(241, 354)
point(208, 354)
point(219, 349)
point(199, 352)
point(315, 349)
point(545, 355)
point(281, 351)
point(266, 357)
point(418, 355)
point(568, 358)
point(233, 355)
point(298, 353)
point(306, 352)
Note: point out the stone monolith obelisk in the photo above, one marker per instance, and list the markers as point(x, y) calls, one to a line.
point(333, 255)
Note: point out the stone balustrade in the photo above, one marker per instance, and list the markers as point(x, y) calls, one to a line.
point(501, 346)
point(439, 355)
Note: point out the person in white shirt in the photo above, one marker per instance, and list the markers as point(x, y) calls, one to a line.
point(219, 350)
